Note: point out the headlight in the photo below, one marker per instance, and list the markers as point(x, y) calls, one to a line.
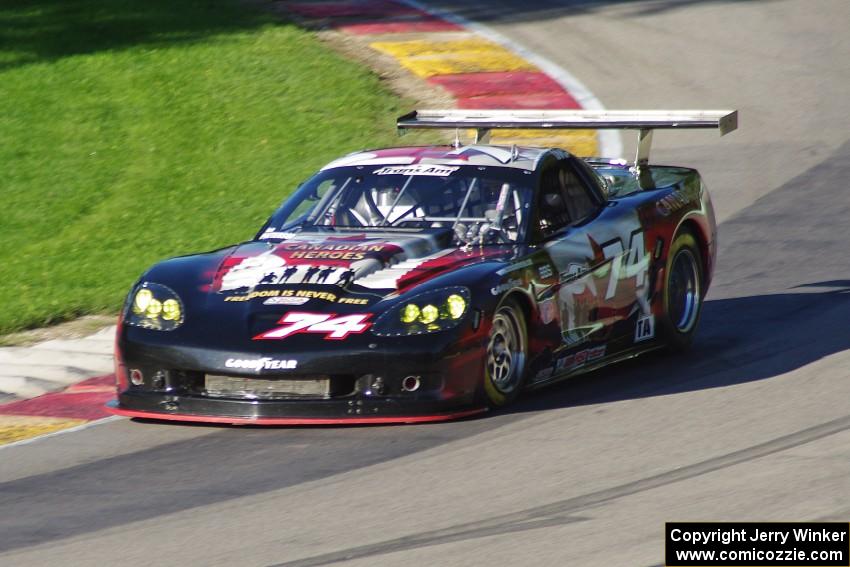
point(427, 312)
point(154, 306)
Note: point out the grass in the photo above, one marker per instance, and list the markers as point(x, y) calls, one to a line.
point(131, 131)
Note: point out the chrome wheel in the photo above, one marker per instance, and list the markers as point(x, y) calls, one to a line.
point(683, 291)
point(506, 351)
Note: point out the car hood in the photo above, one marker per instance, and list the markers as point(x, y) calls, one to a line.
point(359, 263)
point(236, 295)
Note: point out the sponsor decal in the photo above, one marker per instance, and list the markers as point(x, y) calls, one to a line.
point(579, 359)
point(545, 271)
point(417, 169)
point(505, 286)
point(272, 233)
point(264, 363)
point(572, 362)
point(671, 203)
point(645, 328)
point(334, 328)
point(668, 205)
point(285, 300)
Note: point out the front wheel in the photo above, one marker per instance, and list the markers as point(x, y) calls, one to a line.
point(683, 292)
point(507, 354)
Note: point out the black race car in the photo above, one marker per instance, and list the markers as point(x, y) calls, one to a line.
point(428, 283)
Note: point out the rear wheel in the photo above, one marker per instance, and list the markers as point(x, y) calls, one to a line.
point(683, 292)
point(507, 355)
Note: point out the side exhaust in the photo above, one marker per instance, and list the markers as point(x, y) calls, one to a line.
point(411, 383)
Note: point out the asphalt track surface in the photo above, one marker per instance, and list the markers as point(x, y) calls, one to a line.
point(754, 424)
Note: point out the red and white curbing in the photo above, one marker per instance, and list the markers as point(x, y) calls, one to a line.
point(55, 385)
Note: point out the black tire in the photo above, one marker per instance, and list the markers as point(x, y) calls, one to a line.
point(683, 293)
point(506, 362)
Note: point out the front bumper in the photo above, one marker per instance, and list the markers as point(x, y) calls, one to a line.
point(364, 380)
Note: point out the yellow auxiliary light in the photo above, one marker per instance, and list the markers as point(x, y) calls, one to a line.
point(142, 300)
point(171, 310)
point(410, 313)
point(154, 309)
point(429, 314)
point(456, 306)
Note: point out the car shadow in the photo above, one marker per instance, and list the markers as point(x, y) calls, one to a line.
point(740, 340)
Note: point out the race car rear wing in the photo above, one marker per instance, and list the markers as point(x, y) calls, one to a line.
point(645, 121)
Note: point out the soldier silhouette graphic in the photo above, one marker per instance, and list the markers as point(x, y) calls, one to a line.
point(310, 273)
point(288, 273)
point(345, 278)
point(323, 275)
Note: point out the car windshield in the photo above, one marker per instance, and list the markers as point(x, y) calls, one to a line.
point(486, 205)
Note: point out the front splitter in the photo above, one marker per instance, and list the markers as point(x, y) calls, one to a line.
point(113, 407)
